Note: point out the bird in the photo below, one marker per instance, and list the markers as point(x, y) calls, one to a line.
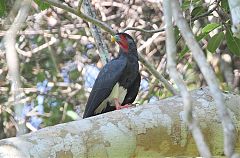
point(118, 82)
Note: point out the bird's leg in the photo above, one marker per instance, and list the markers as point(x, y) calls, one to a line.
point(118, 105)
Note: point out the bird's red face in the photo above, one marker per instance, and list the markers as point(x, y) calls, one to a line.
point(121, 39)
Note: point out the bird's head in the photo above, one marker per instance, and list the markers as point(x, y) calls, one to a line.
point(125, 42)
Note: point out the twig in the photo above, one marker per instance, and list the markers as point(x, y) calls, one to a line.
point(148, 42)
point(46, 33)
point(208, 12)
point(152, 69)
point(143, 30)
point(64, 112)
point(175, 75)
point(13, 63)
point(80, 5)
point(87, 18)
point(208, 73)
point(52, 55)
point(35, 50)
point(97, 34)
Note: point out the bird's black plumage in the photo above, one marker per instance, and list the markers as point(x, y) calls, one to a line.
point(120, 74)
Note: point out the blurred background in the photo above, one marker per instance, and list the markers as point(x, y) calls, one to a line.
point(59, 60)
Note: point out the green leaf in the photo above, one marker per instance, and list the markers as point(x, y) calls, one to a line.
point(72, 114)
point(224, 5)
point(2, 8)
point(233, 43)
point(210, 27)
point(176, 33)
point(74, 75)
point(197, 11)
point(186, 4)
point(215, 41)
point(40, 76)
point(42, 5)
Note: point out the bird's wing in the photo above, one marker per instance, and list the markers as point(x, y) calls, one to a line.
point(104, 84)
point(132, 91)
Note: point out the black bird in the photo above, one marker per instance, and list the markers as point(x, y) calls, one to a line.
point(118, 82)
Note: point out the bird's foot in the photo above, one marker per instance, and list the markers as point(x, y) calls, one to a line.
point(123, 106)
point(119, 106)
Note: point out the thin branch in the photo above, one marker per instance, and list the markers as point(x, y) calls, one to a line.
point(148, 42)
point(85, 17)
point(52, 55)
point(96, 33)
point(37, 49)
point(153, 70)
point(143, 30)
point(187, 99)
point(208, 12)
point(80, 5)
point(208, 73)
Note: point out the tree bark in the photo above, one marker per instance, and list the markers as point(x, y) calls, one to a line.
point(152, 130)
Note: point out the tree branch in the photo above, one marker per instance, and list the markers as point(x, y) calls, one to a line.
point(87, 18)
point(132, 132)
point(96, 33)
point(153, 71)
point(13, 63)
point(143, 30)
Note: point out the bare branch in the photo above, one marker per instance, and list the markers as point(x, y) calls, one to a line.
point(37, 49)
point(153, 70)
point(97, 34)
point(13, 63)
point(52, 55)
point(187, 99)
point(88, 18)
point(80, 5)
point(208, 73)
point(143, 30)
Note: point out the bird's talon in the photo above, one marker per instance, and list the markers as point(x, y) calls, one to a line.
point(123, 107)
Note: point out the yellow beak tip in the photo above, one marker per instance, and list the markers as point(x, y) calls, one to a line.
point(113, 39)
